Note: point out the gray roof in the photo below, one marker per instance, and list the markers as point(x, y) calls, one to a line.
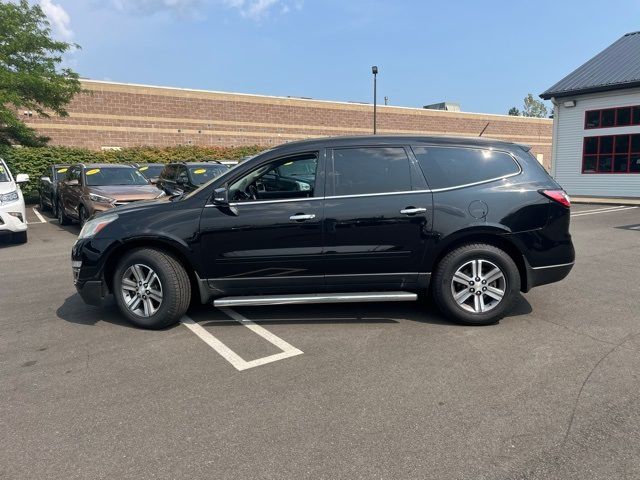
point(616, 67)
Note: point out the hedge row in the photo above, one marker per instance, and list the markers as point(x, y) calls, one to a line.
point(34, 161)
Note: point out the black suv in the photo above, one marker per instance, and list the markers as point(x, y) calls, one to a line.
point(474, 221)
point(48, 187)
point(184, 177)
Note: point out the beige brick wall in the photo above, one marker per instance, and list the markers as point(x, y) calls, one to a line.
point(122, 115)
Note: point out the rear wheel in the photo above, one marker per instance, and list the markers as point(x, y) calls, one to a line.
point(82, 215)
point(151, 288)
point(41, 204)
point(476, 284)
point(62, 217)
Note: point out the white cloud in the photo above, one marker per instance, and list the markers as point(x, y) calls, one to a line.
point(58, 18)
point(181, 6)
point(252, 9)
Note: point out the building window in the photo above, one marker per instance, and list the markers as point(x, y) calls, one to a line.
point(612, 117)
point(611, 154)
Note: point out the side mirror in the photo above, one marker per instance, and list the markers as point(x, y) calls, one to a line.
point(221, 196)
point(45, 179)
point(22, 178)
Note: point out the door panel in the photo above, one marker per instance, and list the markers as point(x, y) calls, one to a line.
point(261, 246)
point(377, 236)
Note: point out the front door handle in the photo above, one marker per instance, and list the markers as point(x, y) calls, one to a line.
point(301, 217)
point(412, 210)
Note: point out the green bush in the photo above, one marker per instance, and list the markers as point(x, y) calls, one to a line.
point(34, 161)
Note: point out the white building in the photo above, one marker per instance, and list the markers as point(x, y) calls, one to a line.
point(596, 124)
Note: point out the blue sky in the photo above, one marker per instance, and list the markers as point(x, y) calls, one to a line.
point(486, 55)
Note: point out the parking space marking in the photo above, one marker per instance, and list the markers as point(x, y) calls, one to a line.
point(603, 210)
point(40, 217)
point(612, 207)
point(232, 357)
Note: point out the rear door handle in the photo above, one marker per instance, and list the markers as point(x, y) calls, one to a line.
point(301, 217)
point(412, 210)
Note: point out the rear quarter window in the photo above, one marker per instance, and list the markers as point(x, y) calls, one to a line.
point(447, 167)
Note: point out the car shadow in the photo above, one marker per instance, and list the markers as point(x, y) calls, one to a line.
point(422, 311)
point(74, 310)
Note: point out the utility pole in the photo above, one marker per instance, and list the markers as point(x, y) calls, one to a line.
point(374, 70)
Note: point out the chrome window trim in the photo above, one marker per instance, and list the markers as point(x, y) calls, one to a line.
point(380, 194)
point(262, 202)
point(504, 177)
point(553, 266)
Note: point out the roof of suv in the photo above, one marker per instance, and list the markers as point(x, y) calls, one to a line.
point(200, 163)
point(397, 140)
point(104, 165)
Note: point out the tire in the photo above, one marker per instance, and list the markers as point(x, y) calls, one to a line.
point(171, 281)
point(54, 207)
point(459, 300)
point(19, 237)
point(82, 215)
point(62, 217)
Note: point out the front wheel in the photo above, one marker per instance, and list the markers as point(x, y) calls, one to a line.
point(62, 216)
point(151, 288)
point(475, 284)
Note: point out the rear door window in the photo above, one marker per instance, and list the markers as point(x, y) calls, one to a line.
point(370, 170)
point(169, 173)
point(447, 167)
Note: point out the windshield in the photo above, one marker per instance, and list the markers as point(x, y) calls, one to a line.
point(225, 173)
point(151, 171)
point(114, 176)
point(59, 172)
point(201, 174)
point(4, 173)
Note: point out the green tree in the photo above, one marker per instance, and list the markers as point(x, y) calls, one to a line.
point(31, 76)
point(534, 108)
point(513, 111)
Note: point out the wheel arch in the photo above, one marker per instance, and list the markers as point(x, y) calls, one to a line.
point(495, 237)
point(173, 248)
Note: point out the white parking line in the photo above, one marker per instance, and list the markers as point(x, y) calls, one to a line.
point(614, 210)
point(613, 207)
point(232, 357)
point(40, 217)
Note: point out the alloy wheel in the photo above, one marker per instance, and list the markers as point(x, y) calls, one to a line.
point(141, 290)
point(478, 286)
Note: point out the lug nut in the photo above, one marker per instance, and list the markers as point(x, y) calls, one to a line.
point(484, 281)
point(484, 289)
point(471, 282)
point(148, 291)
point(139, 283)
point(472, 290)
point(146, 285)
point(478, 292)
point(477, 279)
point(144, 297)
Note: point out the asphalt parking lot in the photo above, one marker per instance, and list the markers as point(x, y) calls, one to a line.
point(326, 391)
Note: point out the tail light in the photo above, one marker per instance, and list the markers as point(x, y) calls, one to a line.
point(559, 196)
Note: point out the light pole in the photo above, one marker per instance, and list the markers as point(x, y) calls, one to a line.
point(374, 70)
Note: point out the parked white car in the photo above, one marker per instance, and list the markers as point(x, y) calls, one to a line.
point(13, 218)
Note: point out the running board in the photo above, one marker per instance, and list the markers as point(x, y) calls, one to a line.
point(315, 298)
